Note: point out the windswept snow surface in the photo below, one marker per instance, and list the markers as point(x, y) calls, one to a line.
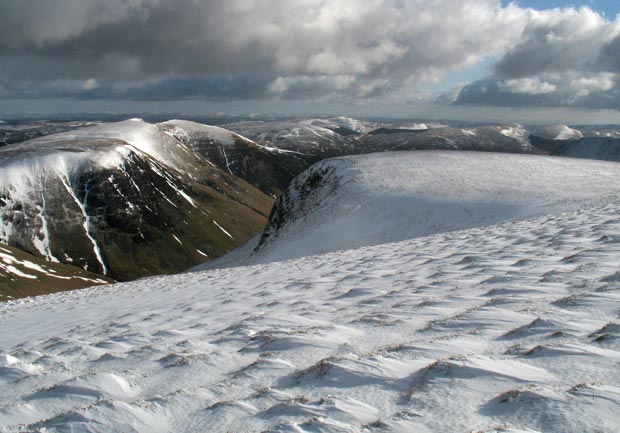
point(504, 328)
point(372, 199)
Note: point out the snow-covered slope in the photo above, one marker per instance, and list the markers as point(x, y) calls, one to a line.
point(505, 328)
point(342, 124)
point(185, 129)
point(602, 148)
point(503, 138)
point(268, 168)
point(557, 132)
point(365, 200)
point(303, 136)
point(141, 135)
point(16, 132)
point(123, 199)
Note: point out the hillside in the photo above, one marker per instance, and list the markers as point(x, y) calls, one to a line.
point(503, 138)
point(506, 327)
point(601, 148)
point(23, 275)
point(124, 200)
point(17, 132)
point(267, 168)
point(317, 139)
point(358, 201)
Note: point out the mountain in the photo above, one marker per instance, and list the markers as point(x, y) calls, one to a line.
point(124, 200)
point(11, 133)
point(318, 139)
point(510, 326)
point(601, 148)
point(268, 168)
point(512, 139)
point(557, 132)
point(312, 142)
point(353, 202)
point(131, 199)
point(23, 275)
point(343, 125)
point(601, 143)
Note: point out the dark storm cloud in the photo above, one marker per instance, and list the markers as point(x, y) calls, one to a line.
point(211, 88)
point(609, 57)
point(308, 48)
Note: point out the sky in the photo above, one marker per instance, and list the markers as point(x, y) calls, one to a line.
point(527, 61)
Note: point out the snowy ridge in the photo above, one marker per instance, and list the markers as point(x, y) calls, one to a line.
point(505, 328)
point(498, 138)
point(333, 123)
point(557, 132)
point(139, 135)
point(366, 200)
point(302, 136)
point(183, 128)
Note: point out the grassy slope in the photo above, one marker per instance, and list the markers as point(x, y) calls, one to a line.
point(51, 278)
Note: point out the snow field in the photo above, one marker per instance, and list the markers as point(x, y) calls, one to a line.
point(508, 328)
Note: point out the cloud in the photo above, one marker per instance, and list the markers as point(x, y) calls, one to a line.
point(306, 49)
point(609, 56)
point(570, 89)
point(557, 40)
point(306, 44)
point(531, 86)
point(565, 58)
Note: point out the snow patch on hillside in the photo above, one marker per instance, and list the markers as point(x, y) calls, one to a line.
point(184, 130)
point(14, 268)
point(517, 132)
point(332, 123)
point(185, 127)
point(557, 132)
